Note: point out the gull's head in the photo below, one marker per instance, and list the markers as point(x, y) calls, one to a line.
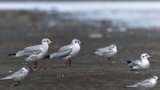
point(113, 46)
point(145, 56)
point(76, 41)
point(46, 41)
point(25, 69)
point(155, 77)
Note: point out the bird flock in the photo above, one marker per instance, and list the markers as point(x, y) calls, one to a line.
point(34, 53)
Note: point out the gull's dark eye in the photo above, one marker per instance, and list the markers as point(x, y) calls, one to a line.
point(143, 56)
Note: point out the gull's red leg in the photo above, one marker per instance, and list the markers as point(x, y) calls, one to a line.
point(66, 63)
point(34, 65)
point(70, 62)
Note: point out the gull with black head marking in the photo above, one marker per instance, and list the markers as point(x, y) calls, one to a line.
point(67, 52)
point(140, 64)
point(34, 53)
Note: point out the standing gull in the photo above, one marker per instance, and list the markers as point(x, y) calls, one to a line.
point(141, 64)
point(18, 76)
point(108, 51)
point(146, 84)
point(67, 52)
point(34, 53)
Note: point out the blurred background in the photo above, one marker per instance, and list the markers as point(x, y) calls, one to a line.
point(133, 25)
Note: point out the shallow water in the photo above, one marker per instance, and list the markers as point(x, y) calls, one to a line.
point(132, 14)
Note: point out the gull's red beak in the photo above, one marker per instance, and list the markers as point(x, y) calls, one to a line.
point(82, 44)
point(151, 56)
point(52, 43)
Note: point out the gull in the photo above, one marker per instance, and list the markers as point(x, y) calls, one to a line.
point(67, 52)
point(34, 53)
point(141, 64)
point(146, 84)
point(108, 51)
point(18, 76)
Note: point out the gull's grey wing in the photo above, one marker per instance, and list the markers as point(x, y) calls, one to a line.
point(108, 47)
point(144, 83)
point(17, 73)
point(17, 76)
point(100, 49)
point(99, 52)
point(33, 50)
point(103, 51)
point(62, 52)
point(65, 48)
point(35, 47)
point(135, 64)
point(108, 52)
point(141, 84)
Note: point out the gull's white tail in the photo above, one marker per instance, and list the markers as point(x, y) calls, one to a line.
point(5, 78)
point(131, 86)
